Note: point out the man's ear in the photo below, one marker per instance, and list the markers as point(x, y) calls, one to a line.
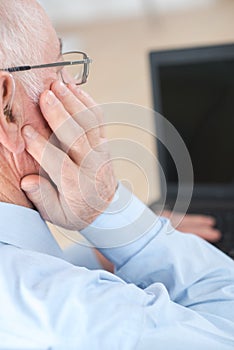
point(10, 130)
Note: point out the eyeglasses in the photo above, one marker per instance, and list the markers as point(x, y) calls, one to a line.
point(75, 67)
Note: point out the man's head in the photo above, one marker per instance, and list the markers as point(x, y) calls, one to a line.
point(27, 38)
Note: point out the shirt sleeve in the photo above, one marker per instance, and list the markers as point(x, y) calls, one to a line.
point(124, 228)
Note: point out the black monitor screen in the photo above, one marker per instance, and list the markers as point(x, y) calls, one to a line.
point(198, 99)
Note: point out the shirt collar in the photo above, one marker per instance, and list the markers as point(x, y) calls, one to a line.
point(24, 228)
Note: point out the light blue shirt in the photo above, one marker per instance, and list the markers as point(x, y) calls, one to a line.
point(170, 290)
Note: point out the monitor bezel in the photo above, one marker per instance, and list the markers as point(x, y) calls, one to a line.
point(188, 55)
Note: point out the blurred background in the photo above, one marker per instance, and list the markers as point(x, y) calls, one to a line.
point(118, 35)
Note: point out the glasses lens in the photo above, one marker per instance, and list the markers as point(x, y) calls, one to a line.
point(76, 71)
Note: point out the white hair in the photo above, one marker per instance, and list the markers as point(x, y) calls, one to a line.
point(22, 35)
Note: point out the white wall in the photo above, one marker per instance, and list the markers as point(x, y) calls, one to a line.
point(73, 11)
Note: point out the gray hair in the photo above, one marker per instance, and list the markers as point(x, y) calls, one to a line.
point(22, 34)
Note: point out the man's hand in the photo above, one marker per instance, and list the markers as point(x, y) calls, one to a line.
point(78, 183)
point(200, 225)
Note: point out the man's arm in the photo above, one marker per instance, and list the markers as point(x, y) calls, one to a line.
point(200, 225)
point(172, 299)
point(194, 279)
point(168, 300)
point(177, 260)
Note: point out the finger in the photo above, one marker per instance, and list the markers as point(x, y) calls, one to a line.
point(51, 158)
point(91, 105)
point(69, 133)
point(209, 234)
point(43, 195)
point(190, 220)
point(199, 225)
point(81, 113)
point(199, 219)
point(193, 219)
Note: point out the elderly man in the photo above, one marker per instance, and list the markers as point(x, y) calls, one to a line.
point(170, 290)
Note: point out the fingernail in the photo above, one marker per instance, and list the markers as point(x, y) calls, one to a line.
point(62, 89)
point(29, 132)
point(30, 188)
point(50, 98)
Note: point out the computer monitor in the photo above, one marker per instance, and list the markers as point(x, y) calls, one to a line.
point(194, 89)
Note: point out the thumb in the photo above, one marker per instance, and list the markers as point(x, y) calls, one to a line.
point(42, 194)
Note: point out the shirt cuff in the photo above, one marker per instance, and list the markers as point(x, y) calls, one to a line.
point(124, 228)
